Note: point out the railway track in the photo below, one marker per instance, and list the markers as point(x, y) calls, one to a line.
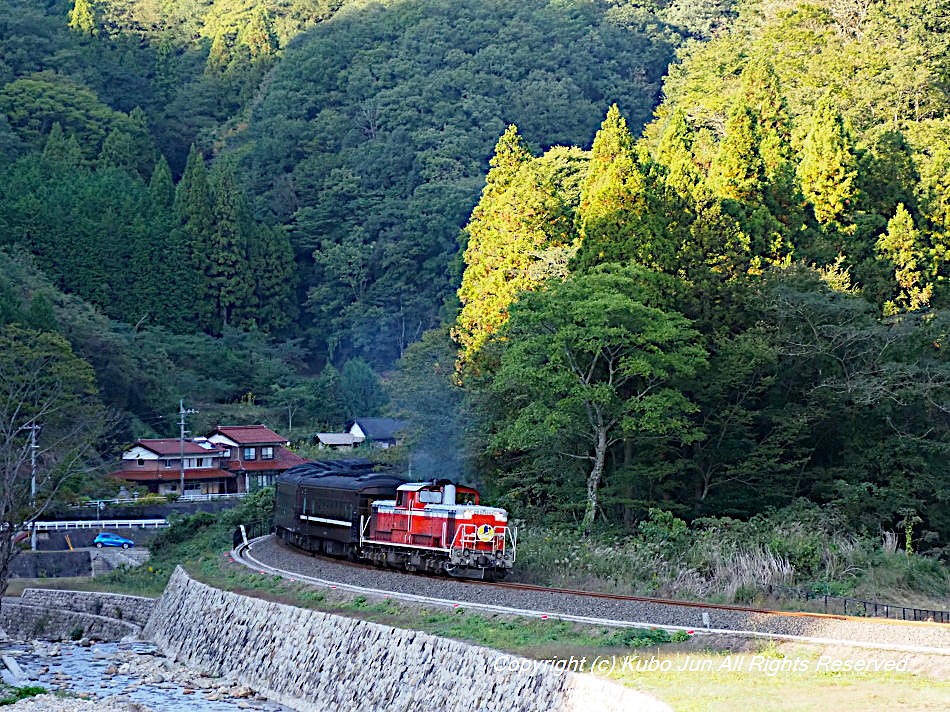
point(268, 556)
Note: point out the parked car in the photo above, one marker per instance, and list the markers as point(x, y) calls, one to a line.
point(106, 539)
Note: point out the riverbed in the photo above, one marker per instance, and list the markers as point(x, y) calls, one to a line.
point(127, 676)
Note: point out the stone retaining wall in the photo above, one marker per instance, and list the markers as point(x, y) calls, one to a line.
point(134, 609)
point(22, 621)
point(317, 662)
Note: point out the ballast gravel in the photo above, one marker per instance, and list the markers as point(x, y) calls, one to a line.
point(935, 636)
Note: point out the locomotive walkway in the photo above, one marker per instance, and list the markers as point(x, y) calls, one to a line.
point(268, 555)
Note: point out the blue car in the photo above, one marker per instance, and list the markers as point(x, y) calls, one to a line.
point(106, 539)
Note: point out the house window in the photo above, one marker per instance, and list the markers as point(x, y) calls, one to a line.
point(168, 464)
point(140, 462)
point(267, 453)
point(201, 462)
point(249, 453)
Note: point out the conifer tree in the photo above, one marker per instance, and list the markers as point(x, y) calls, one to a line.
point(259, 33)
point(828, 168)
point(61, 149)
point(143, 147)
point(510, 155)
point(275, 278)
point(621, 217)
point(901, 244)
point(674, 152)
point(219, 56)
point(117, 151)
point(161, 187)
point(762, 93)
point(230, 283)
point(193, 210)
point(740, 172)
point(82, 18)
point(493, 261)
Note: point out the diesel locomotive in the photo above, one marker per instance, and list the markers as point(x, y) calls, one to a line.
point(347, 508)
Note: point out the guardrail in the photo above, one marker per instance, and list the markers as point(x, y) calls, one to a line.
point(101, 524)
point(857, 607)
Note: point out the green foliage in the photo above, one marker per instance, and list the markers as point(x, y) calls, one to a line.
point(519, 235)
point(360, 389)
point(21, 693)
point(588, 363)
point(828, 166)
point(82, 17)
point(375, 165)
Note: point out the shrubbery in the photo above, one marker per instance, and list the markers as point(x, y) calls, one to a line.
point(725, 559)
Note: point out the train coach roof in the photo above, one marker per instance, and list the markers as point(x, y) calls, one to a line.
point(354, 474)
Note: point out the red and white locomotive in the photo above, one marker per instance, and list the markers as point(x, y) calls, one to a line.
point(343, 508)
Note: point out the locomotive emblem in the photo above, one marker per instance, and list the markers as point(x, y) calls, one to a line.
point(485, 532)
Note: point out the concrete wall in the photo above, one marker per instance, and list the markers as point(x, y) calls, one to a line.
point(144, 511)
point(50, 564)
point(22, 621)
point(56, 541)
point(316, 662)
point(132, 609)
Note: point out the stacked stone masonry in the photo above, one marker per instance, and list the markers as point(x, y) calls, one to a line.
point(316, 662)
point(22, 621)
point(134, 609)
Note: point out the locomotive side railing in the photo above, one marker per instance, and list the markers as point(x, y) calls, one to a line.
point(503, 540)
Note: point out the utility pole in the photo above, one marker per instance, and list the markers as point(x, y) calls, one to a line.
point(181, 442)
point(33, 428)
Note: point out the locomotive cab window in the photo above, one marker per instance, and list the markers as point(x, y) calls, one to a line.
point(430, 497)
point(401, 499)
point(465, 498)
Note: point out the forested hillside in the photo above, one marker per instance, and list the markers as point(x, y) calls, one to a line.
point(746, 306)
point(370, 140)
point(701, 275)
point(199, 194)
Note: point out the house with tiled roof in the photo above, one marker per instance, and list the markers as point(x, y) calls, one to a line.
point(231, 459)
point(256, 452)
point(381, 432)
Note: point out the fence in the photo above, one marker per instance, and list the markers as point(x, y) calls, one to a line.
point(253, 530)
point(101, 524)
point(857, 607)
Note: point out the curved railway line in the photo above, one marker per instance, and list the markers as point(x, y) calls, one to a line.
point(267, 555)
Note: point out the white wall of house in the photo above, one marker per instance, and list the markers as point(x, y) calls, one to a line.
point(357, 432)
point(139, 453)
point(219, 439)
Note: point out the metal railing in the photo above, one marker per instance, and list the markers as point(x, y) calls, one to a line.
point(101, 524)
point(252, 530)
point(848, 606)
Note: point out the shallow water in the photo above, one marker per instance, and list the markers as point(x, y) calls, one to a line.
point(85, 668)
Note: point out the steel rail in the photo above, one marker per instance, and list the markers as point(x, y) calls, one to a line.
point(242, 555)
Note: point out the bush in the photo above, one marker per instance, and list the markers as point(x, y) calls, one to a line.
point(21, 693)
point(725, 559)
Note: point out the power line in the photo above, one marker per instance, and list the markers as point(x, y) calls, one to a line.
point(33, 428)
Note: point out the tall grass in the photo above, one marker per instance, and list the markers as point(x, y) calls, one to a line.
point(728, 560)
